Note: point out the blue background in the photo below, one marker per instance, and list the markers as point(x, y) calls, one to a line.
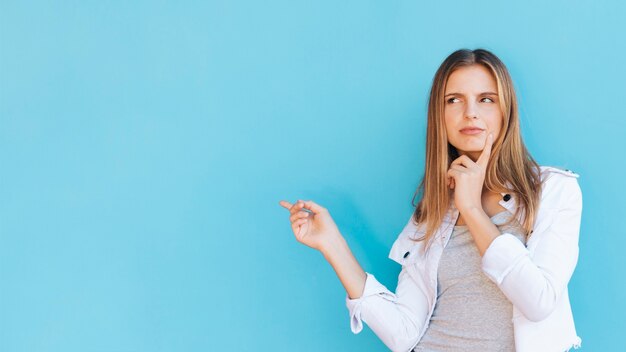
point(144, 146)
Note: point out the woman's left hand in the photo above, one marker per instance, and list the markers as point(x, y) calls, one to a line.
point(467, 177)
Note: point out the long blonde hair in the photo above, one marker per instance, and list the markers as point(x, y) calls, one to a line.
point(510, 161)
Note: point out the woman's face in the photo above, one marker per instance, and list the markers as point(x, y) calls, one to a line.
point(472, 109)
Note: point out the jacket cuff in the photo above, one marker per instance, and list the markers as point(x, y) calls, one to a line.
point(372, 290)
point(504, 252)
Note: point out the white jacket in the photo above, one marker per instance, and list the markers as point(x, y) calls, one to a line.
point(533, 277)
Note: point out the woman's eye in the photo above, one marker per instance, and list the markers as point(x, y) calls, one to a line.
point(454, 100)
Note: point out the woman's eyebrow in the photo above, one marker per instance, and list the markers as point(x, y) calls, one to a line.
point(483, 93)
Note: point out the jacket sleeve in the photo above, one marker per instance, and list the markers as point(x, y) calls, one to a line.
point(394, 317)
point(534, 284)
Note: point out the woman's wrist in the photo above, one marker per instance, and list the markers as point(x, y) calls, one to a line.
point(333, 245)
point(352, 276)
point(472, 211)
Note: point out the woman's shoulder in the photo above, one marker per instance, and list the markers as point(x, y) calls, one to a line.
point(560, 185)
point(547, 171)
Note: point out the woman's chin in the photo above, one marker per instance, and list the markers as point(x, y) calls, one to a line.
point(470, 149)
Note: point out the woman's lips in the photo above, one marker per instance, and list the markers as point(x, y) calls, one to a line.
point(471, 130)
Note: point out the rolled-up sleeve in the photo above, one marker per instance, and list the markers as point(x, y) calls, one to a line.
point(372, 288)
point(396, 318)
point(534, 284)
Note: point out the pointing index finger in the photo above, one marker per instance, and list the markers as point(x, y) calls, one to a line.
point(484, 156)
point(285, 204)
point(294, 207)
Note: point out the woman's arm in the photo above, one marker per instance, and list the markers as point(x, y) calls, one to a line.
point(396, 318)
point(348, 270)
point(317, 229)
point(535, 284)
point(481, 228)
point(393, 317)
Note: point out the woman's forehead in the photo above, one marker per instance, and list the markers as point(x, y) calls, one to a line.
point(475, 79)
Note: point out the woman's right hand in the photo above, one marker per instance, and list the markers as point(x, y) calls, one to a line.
point(315, 229)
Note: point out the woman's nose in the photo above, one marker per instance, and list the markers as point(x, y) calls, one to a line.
point(471, 110)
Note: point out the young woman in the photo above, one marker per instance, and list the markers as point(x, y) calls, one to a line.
point(487, 255)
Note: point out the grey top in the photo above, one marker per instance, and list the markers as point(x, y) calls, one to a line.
point(471, 312)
